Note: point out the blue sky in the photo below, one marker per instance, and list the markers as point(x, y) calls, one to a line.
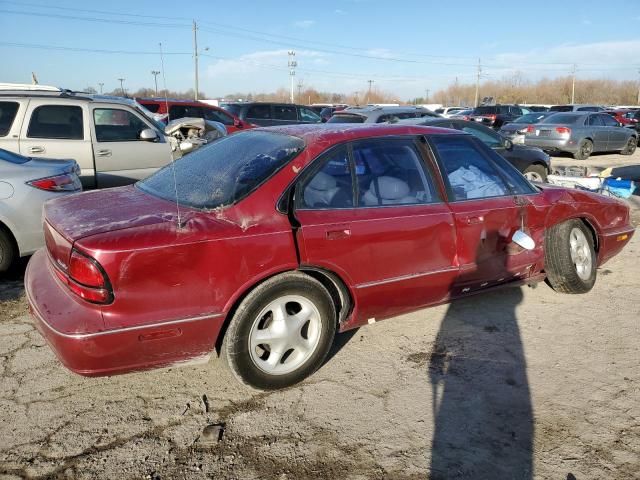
point(405, 47)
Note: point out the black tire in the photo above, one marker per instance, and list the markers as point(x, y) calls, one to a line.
point(8, 253)
point(235, 346)
point(585, 149)
point(536, 173)
point(631, 146)
point(562, 272)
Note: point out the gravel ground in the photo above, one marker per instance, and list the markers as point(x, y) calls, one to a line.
point(520, 383)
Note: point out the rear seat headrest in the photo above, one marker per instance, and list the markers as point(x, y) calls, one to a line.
point(390, 188)
point(322, 181)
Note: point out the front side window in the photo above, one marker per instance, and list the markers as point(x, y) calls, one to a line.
point(217, 116)
point(470, 174)
point(608, 121)
point(390, 172)
point(285, 112)
point(225, 171)
point(331, 186)
point(8, 112)
point(56, 121)
point(116, 125)
point(308, 115)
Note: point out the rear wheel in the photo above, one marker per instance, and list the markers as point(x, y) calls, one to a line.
point(536, 173)
point(8, 251)
point(631, 146)
point(585, 149)
point(281, 332)
point(570, 257)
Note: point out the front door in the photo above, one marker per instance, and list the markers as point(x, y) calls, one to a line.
point(599, 131)
point(372, 213)
point(121, 156)
point(488, 199)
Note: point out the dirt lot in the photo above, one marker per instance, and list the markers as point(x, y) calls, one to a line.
point(522, 383)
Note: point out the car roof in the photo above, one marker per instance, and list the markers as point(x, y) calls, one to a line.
point(337, 132)
point(174, 100)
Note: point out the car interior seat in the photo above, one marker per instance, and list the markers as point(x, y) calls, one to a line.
point(321, 190)
point(387, 190)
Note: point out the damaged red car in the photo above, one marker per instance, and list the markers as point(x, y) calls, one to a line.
point(264, 244)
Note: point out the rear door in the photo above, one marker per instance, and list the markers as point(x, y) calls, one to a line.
point(11, 112)
point(56, 128)
point(487, 213)
point(121, 156)
point(599, 132)
point(371, 212)
point(618, 135)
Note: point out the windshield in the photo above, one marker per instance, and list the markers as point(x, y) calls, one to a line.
point(225, 171)
point(561, 118)
point(346, 118)
point(149, 116)
point(13, 157)
point(530, 118)
point(561, 108)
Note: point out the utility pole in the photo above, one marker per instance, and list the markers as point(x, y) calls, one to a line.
point(639, 90)
point(478, 83)
point(573, 84)
point(101, 84)
point(292, 64)
point(370, 82)
point(195, 55)
point(427, 97)
point(155, 74)
point(122, 85)
point(300, 85)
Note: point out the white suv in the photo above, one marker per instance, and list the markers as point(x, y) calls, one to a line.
point(113, 140)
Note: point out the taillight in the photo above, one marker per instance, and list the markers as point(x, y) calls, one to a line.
point(492, 116)
point(67, 182)
point(87, 279)
point(531, 129)
point(563, 130)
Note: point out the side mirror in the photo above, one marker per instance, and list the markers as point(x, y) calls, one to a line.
point(508, 144)
point(523, 240)
point(149, 135)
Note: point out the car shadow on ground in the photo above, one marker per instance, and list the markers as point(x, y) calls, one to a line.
point(12, 281)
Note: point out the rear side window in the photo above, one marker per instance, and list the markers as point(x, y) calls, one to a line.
point(116, 125)
point(8, 112)
point(218, 116)
point(346, 118)
point(285, 112)
point(608, 121)
point(330, 187)
point(595, 121)
point(390, 172)
point(259, 111)
point(56, 121)
point(152, 107)
point(308, 115)
point(469, 173)
point(225, 171)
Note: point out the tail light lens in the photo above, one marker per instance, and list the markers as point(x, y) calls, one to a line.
point(563, 130)
point(68, 182)
point(87, 279)
point(531, 129)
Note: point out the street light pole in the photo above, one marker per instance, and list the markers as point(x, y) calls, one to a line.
point(101, 84)
point(292, 64)
point(478, 84)
point(573, 84)
point(195, 55)
point(122, 85)
point(155, 74)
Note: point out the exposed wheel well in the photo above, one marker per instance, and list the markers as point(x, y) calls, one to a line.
point(594, 233)
point(332, 282)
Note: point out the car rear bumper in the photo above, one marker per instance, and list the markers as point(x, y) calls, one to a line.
point(75, 332)
point(565, 145)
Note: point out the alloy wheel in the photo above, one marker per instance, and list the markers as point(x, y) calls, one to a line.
point(580, 253)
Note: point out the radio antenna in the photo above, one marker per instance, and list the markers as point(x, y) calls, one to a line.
point(173, 166)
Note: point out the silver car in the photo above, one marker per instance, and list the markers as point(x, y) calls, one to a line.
point(581, 134)
point(516, 130)
point(25, 184)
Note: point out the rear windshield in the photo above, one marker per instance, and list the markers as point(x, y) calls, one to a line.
point(235, 109)
point(491, 110)
point(530, 118)
point(13, 157)
point(344, 118)
point(225, 171)
point(561, 118)
point(561, 108)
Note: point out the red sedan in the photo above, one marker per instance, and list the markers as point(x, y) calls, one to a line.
point(269, 241)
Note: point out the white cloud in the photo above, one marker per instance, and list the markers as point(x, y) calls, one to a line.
point(260, 61)
point(379, 52)
point(304, 23)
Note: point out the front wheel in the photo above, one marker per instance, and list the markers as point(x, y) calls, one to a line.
point(281, 332)
point(585, 149)
point(8, 252)
point(536, 173)
point(630, 147)
point(570, 257)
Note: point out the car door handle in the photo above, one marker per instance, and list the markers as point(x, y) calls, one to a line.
point(474, 219)
point(36, 150)
point(104, 153)
point(337, 234)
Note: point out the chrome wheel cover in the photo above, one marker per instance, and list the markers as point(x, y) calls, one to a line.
point(580, 253)
point(285, 334)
